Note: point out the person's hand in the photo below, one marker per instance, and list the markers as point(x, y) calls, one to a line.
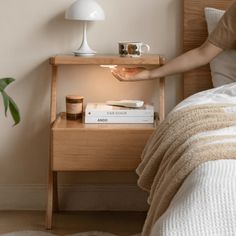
point(130, 74)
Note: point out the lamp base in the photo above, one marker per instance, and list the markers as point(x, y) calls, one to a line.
point(80, 52)
point(84, 49)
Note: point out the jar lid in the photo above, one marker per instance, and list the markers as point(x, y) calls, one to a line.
point(74, 97)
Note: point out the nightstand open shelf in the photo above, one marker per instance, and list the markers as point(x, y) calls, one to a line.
point(76, 146)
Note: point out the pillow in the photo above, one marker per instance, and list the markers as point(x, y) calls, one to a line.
point(223, 67)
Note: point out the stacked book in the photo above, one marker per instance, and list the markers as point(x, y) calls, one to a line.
point(103, 113)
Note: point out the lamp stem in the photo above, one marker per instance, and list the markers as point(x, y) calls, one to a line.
point(84, 49)
point(85, 33)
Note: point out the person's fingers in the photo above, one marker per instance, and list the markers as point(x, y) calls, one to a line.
point(126, 74)
point(117, 76)
point(129, 69)
point(121, 78)
point(114, 70)
point(119, 72)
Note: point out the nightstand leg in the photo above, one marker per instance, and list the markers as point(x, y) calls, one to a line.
point(162, 99)
point(55, 193)
point(52, 198)
point(52, 204)
point(50, 201)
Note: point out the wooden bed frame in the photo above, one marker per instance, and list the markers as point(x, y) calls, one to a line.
point(195, 33)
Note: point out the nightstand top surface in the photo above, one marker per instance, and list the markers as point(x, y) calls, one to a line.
point(106, 60)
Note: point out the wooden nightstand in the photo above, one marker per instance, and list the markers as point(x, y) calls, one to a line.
point(75, 146)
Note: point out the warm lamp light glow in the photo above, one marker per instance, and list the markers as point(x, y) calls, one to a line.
point(109, 66)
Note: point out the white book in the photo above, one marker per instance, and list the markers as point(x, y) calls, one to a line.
point(102, 109)
point(119, 120)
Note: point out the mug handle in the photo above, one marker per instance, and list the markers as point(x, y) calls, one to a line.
point(146, 46)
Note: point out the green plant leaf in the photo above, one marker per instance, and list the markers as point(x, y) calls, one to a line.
point(4, 82)
point(8, 101)
point(5, 101)
point(14, 111)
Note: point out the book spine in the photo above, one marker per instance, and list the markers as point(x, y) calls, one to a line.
point(123, 113)
point(119, 120)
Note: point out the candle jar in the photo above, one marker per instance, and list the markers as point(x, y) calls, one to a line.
point(74, 107)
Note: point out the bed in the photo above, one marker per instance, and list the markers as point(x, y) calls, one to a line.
point(188, 165)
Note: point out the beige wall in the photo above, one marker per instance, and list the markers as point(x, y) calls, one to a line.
point(34, 30)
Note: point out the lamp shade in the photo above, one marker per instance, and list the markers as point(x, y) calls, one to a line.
point(85, 10)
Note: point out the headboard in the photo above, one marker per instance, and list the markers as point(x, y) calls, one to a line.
point(195, 33)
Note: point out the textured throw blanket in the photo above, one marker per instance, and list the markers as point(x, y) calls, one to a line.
point(177, 147)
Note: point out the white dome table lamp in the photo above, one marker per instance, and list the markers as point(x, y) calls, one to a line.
point(85, 10)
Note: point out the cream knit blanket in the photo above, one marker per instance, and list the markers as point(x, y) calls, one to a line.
point(176, 148)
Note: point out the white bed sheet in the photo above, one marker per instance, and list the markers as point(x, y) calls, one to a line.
point(224, 94)
point(205, 205)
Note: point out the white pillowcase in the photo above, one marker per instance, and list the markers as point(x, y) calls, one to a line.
point(223, 67)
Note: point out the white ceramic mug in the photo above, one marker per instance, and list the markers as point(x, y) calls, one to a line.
point(132, 49)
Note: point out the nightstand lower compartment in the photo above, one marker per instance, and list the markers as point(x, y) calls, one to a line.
point(89, 147)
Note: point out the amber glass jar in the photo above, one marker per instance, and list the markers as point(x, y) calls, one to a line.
point(74, 107)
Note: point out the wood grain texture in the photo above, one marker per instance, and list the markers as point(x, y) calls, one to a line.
point(195, 33)
point(52, 196)
point(88, 147)
point(106, 60)
point(53, 105)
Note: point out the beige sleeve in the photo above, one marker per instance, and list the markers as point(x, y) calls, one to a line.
point(224, 35)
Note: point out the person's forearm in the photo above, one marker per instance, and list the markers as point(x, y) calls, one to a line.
point(180, 64)
point(187, 61)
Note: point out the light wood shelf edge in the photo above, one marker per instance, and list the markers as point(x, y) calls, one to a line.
point(155, 60)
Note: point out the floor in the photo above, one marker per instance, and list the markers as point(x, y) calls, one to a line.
point(120, 223)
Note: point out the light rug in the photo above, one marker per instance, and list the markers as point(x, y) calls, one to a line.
point(40, 233)
point(93, 233)
point(28, 233)
point(96, 233)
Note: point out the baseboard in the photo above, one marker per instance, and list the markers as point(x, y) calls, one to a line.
point(75, 197)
